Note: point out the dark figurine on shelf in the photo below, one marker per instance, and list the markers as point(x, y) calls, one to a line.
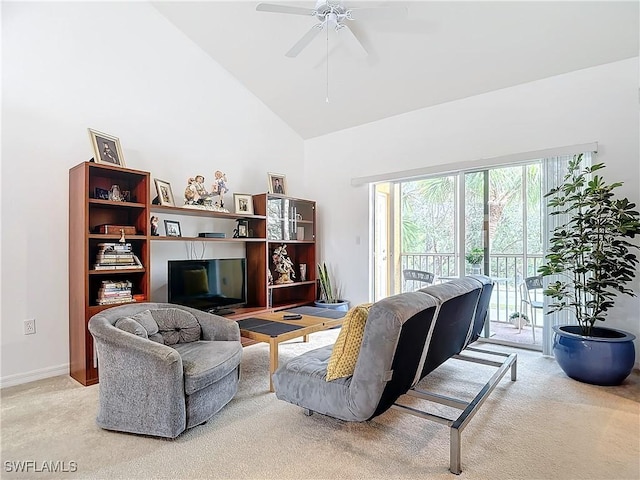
point(154, 226)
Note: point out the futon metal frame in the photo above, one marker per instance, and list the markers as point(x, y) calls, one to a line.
point(469, 409)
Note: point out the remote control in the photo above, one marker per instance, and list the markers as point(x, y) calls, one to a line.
point(292, 316)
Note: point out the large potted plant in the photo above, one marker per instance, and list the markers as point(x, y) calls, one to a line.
point(591, 261)
point(329, 297)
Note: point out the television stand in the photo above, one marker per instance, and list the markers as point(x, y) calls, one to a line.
point(221, 311)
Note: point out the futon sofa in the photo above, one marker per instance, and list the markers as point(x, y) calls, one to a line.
point(163, 367)
point(405, 337)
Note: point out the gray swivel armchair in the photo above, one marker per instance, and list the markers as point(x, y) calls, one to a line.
point(163, 368)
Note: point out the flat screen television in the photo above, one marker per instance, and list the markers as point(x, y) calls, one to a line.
point(212, 285)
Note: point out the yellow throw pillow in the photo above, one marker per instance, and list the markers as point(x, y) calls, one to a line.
point(345, 352)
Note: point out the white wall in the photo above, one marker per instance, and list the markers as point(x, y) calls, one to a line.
point(123, 69)
point(594, 105)
point(178, 113)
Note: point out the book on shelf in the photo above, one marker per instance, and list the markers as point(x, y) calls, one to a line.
point(113, 301)
point(115, 261)
point(116, 283)
point(117, 265)
point(114, 247)
point(113, 291)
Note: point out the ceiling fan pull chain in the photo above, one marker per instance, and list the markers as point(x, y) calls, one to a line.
point(327, 99)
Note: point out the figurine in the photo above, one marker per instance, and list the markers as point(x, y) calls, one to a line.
point(220, 187)
point(284, 265)
point(196, 192)
point(154, 226)
point(122, 239)
point(196, 195)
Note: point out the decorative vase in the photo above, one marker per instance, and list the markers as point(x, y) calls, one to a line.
point(341, 305)
point(605, 358)
point(303, 272)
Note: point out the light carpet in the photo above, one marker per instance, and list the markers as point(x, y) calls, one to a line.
point(543, 426)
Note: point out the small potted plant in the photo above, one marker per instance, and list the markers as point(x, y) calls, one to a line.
point(519, 320)
point(474, 257)
point(590, 260)
point(329, 296)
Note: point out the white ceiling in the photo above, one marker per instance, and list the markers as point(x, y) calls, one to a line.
point(441, 52)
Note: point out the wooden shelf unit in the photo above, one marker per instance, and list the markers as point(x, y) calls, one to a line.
point(284, 217)
point(276, 221)
point(85, 213)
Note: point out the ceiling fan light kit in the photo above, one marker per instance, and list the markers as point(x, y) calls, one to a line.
point(332, 15)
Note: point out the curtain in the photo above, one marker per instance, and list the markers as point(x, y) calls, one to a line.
point(554, 170)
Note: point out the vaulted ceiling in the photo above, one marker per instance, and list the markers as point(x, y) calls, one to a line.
point(442, 51)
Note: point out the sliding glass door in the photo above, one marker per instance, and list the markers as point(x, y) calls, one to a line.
point(476, 222)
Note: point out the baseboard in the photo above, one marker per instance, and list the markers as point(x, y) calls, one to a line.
point(20, 378)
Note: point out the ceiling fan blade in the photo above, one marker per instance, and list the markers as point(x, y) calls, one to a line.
point(377, 13)
point(270, 7)
point(305, 40)
point(354, 38)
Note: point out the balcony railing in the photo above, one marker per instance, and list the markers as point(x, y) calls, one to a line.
point(506, 270)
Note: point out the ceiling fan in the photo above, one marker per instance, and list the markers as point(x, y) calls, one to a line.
point(333, 14)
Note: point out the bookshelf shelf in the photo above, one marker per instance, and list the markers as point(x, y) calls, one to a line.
point(86, 284)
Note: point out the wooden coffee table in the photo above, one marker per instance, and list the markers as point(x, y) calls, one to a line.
point(260, 332)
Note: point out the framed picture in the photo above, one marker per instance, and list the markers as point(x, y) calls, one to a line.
point(102, 193)
point(244, 203)
point(243, 228)
point(172, 228)
point(106, 148)
point(277, 183)
point(165, 195)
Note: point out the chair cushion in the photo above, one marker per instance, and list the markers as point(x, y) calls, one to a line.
point(128, 324)
point(145, 318)
point(345, 352)
point(206, 362)
point(176, 325)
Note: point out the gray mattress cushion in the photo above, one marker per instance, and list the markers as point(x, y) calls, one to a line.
point(206, 362)
point(301, 381)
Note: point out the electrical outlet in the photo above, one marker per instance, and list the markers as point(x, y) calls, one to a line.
point(30, 326)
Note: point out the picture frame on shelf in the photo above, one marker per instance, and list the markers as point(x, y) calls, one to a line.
point(242, 229)
point(277, 183)
point(101, 193)
point(165, 195)
point(172, 228)
point(243, 203)
point(106, 148)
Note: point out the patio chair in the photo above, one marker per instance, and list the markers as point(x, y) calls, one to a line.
point(529, 300)
point(423, 278)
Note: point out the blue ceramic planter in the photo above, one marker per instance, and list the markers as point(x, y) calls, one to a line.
point(605, 358)
point(341, 305)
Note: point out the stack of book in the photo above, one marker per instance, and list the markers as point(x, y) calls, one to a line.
point(113, 256)
point(111, 292)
